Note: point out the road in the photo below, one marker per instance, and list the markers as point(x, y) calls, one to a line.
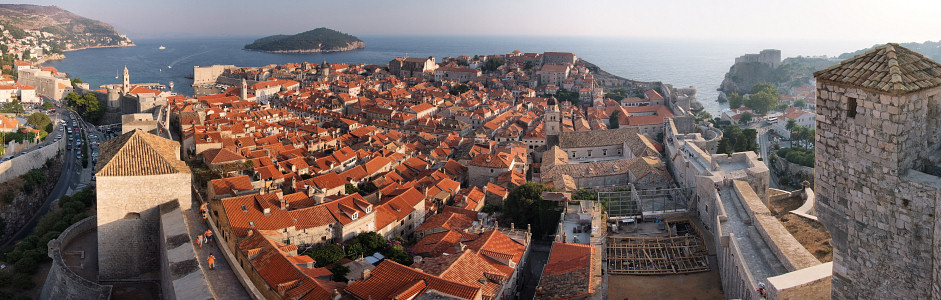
point(764, 145)
point(69, 178)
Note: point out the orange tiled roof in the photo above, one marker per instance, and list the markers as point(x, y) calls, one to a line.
point(888, 68)
point(568, 272)
point(390, 280)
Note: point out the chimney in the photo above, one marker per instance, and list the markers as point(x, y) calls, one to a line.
point(267, 211)
point(284, 204)
point(366, 274)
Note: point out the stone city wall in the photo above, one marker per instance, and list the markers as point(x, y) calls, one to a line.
point(786, 248)
point(61, 282)
point(806, 284)
point(180, 274)
point(20, 165)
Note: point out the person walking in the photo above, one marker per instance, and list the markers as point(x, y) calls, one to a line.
point(199, 241)
point(208, 236)
point(212, 261)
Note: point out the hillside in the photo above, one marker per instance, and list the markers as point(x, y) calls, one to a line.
point(61, 29)
point(317, 40)
point(929, 49)
point(793, 71)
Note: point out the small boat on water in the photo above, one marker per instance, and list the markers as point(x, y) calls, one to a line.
point(170, 67)
point(161, 47)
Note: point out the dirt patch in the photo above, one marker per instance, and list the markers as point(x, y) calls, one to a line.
point(705, 285)
point(812, 234)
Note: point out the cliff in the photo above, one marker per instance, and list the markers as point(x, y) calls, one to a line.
point(61, 29)
point(317, 40)
point(793, 71)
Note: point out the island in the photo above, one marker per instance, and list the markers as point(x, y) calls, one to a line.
point(314, 41)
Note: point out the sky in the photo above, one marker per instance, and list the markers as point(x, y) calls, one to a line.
point(857, 20)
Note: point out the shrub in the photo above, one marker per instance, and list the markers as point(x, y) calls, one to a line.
point(326, 254)
point(5, 279)
point(26, 265)
point(23, 281)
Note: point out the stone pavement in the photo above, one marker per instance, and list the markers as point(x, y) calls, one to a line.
point(222, 280)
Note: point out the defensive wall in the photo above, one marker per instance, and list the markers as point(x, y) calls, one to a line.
point(731, 198)
point(61, 282)
point(180, 274)
point(34, 159)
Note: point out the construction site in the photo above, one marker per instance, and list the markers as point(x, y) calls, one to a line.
point(654, 250)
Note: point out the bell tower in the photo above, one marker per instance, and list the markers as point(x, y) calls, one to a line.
point(126, 86)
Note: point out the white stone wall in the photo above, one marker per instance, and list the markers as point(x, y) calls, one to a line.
point(20, 165)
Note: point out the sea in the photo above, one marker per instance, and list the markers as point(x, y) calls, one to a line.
point(680, 62)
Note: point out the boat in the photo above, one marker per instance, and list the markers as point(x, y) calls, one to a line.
point(115, 74)
point(169, 67)
point(161, 47)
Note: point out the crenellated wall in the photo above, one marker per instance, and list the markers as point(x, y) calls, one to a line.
point(61, 282)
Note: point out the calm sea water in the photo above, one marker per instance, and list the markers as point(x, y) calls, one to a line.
point(699, 63)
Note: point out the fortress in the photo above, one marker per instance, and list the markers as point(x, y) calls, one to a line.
point(770, 57)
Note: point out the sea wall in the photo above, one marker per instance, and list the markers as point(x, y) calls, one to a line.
point(61, 282)
point(34, 159)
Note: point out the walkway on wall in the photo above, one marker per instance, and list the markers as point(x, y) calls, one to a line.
point(762, 262)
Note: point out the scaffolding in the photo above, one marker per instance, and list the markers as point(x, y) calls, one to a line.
point(682, 253)
point(636, 203)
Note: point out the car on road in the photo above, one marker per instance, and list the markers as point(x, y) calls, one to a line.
point(6, 157)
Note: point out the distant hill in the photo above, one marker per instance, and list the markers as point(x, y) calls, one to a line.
point(929, 49)
point(318, 40)
point(68, 30)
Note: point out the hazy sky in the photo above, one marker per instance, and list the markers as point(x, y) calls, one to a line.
point(857, 20)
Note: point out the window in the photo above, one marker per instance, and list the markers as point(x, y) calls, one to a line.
point(491, 171)
point(851, 107)
point(323, 238)
point(573, 154)
point(355, 215)
point(589, 153)
point(604, 152)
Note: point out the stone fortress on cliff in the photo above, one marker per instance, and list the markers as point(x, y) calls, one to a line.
point(770, 57)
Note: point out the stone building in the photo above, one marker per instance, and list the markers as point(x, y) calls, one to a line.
point(412, 66)
point(138, 172)
point(876, 173)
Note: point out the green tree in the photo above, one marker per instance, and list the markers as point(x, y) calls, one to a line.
point(790, 124)
point(764, 97)
point(40, 121)
point(736, 100)
point(526, 199)
point(800, 103)
point(399, 255)
point(339, 272)
point(372, 241)
point(584, 194)
point(745, 119)
point(26, 265)
point(47, 105)
point(350, 189)
point(613, 121)
point(458, 89)
point(23, 281)
point(491, 65)
point(326, 254)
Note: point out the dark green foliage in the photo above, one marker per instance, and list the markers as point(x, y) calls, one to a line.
point(371, 241)
point(800, 103)
point(763, 98)
point(339, 272)
point(660, 137)
point(613, 121)
point(459, 89)
point(491, 65)
point(5, 279)
point(26, 265)
point(321, 38)
point(351, 189)
point(736, 100)
point(32, 179)
point(23, 281)
point(47, 105)
point(618, 94)
point(745, 119)
point(584, 194)
point(798, 156)
point(326, 254)
point(399, 255)
point(8, 196)
point(22, 297)
point(490, 208)
point(89, 106)
point(524, 205)
point(355, 250)
point(12, 107)
point(734, 139)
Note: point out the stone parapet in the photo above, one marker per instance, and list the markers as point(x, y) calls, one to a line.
point(61, 282)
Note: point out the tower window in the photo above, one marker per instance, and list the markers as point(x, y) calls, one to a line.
point(851, 107)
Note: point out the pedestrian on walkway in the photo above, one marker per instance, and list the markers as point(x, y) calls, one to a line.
point(208, 235)
point(199, 241)
point(212, 261)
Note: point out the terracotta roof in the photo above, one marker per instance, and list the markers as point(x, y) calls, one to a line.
point(495, 241)
point(595, 138)
point(888, 68)
point(221, 155)
point(137, 153)
point(224, 186)
point(567, 274)
point(467, 268)
point(281, 272)
point(390, 279)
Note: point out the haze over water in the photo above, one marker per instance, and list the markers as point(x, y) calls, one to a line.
point(683, 63)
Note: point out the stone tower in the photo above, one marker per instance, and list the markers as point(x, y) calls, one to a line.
point(876, 173)
point(126, 86)
point(244, 89)
point(138, 172)
point(553, 118)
